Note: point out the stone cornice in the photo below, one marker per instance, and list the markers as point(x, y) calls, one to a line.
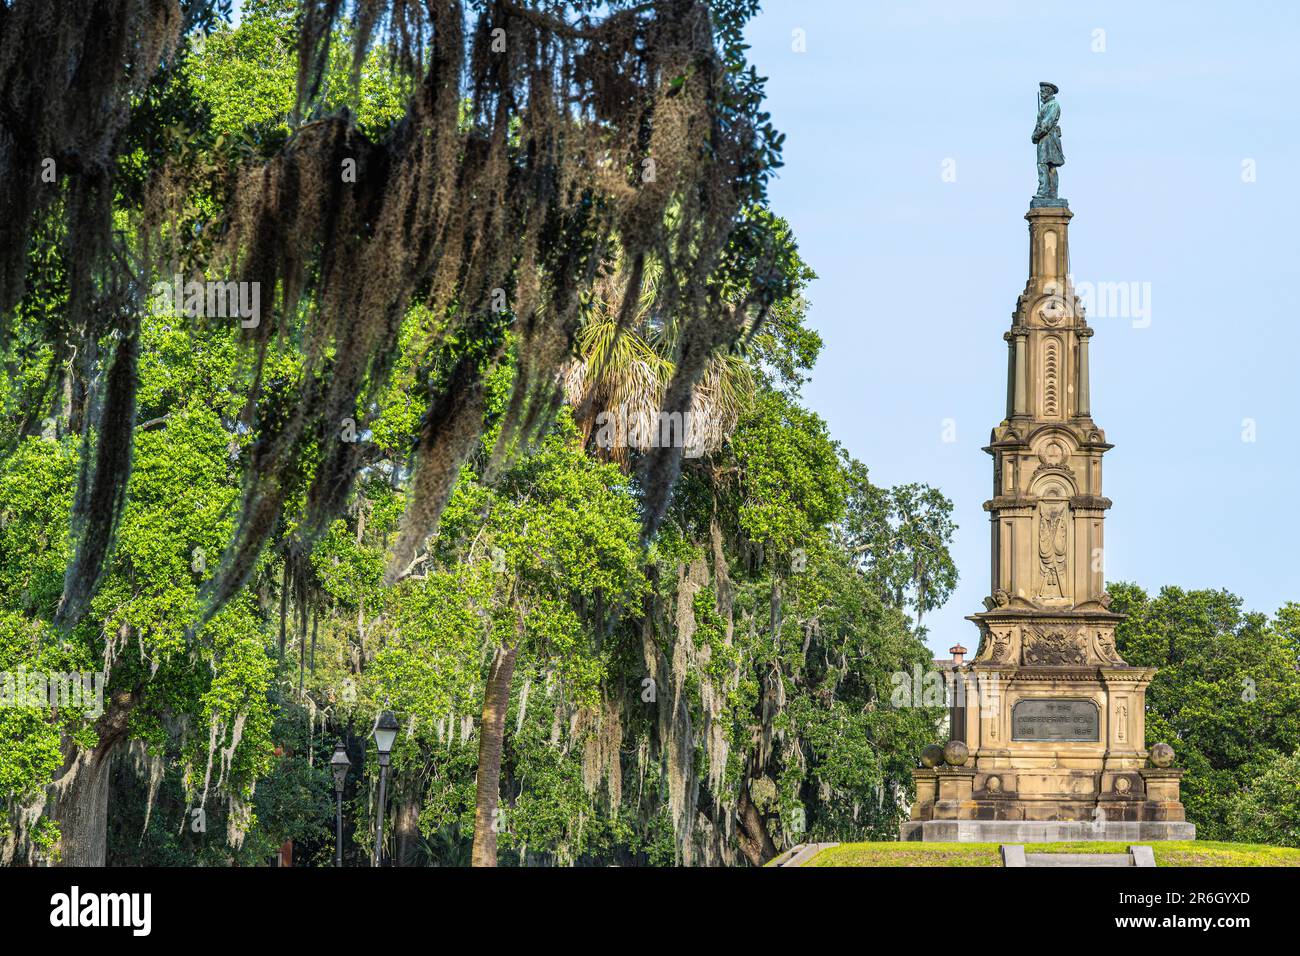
point(1007, 502)
point(1126, 672)
point(1090, 503)
point(1055, 672)
point(1020, 432)
point(1062, 213)
point(1022, 615)
point(1003, 503)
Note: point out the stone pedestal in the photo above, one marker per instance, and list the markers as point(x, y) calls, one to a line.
point(956, 785)
point(1162, 801)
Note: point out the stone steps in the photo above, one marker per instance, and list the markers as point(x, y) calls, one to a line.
point(1078, 859)
point(1013, 854)
point(1044, 831)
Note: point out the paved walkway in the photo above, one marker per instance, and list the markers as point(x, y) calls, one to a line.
point(801, 853)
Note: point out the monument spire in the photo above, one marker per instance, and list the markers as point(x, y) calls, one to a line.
point(1048, 721)
point(1047, 450)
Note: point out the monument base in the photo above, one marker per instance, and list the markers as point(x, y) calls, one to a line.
point(1036, 831)
point(958, 803)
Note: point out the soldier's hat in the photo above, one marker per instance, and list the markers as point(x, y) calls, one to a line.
point(1052, 87)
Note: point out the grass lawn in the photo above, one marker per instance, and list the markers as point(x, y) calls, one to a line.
point(1170, 853)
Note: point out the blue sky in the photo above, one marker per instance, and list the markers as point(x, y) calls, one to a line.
point(918, 276)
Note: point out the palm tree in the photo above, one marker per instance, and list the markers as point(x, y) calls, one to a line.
point(621, 376)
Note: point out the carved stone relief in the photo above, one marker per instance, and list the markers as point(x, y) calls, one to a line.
point(1053, 548)
point(1051, 377)
point(1055, 647)
point(997, 646)
point(1105, 647)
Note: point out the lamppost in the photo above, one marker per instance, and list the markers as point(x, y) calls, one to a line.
point(339, 764)
point(385, 733)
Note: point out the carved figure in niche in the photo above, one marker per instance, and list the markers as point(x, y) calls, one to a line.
point(1051, 551)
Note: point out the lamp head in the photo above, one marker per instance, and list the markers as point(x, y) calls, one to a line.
point(339, 765)
point(385, 733)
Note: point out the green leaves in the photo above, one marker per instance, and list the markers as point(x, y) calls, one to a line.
point(1227, 696)
point(1269, 811)
point(30, 738)
point(247, 75)
point(36, 487)
point(899, 537)
point(790, 484)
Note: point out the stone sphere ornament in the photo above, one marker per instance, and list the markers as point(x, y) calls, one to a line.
point(955, 753)
point(932, 756)
point(1162, 755)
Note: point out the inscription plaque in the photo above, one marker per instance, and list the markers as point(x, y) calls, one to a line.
point(1055, 720)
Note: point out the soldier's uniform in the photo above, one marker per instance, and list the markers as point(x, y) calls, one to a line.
point(1047, 136)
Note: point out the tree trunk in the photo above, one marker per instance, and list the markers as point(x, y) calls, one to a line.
point(496, 701)
point(406, 830)
point(284, 604)
point(79, 795)
point(81, 370)
point(755, 842)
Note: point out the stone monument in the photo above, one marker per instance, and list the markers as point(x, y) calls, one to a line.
point(1048, 722)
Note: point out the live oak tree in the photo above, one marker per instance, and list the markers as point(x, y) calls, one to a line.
point(182, 495)
point(557, 542)
point(491, 202)
point(369, 500)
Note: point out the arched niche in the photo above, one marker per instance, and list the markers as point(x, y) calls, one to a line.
point(1052, 541)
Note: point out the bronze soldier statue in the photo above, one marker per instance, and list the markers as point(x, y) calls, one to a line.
point(1047, 137)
